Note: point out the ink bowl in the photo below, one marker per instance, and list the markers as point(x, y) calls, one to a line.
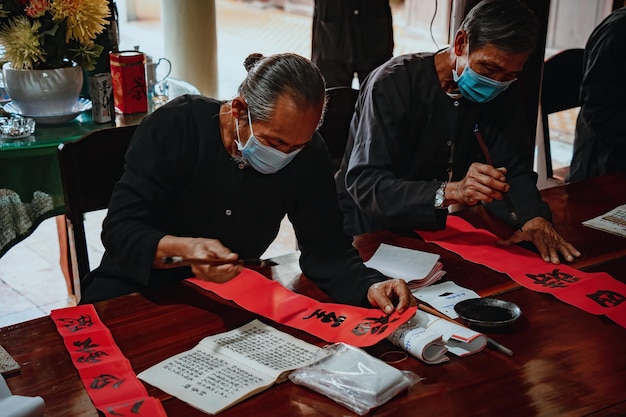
point(488, 312)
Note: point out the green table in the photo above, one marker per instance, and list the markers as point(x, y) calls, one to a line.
point(30, 182)
point(30, 179)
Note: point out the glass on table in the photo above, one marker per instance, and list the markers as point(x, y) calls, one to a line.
point(16, 127)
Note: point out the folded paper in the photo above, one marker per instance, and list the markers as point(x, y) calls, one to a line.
point(106, 373)
point(429, 338)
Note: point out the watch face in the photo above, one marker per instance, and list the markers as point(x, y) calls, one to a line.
point(440, 195)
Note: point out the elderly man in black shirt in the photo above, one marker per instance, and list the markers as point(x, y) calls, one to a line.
point(412, 149)
point(207, 178)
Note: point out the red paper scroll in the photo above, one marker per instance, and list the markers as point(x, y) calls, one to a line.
point(107, 375)
point(331, 322)
point(596, 293)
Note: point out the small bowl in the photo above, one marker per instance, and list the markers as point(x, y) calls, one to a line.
point(16, 127)
point(488, 312)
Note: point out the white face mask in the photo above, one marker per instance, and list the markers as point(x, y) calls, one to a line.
point(263, 158)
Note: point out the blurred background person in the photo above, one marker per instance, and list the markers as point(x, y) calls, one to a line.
point(350, 36)
point(600, 138)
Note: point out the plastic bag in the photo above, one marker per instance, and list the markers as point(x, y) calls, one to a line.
point(353, 378)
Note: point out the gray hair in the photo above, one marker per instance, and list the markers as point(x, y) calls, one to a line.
point(509, 25)
point(270, 77)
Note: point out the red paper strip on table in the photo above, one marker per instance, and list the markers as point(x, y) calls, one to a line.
point(593, 292)
point(107, 375)
point(331, 322)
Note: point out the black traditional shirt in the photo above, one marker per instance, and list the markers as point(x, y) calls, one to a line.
point(600, 140)
point(180, 180)
point(408, 136)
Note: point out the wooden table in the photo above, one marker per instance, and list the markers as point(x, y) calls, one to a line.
point(566, 362)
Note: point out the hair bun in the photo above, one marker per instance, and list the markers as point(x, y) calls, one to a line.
point(251, 60)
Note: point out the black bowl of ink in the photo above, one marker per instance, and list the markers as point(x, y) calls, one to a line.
point(488, 312)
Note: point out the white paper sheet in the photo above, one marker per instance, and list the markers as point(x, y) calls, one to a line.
point(444, 296)
point(416, 267)
point(613, 222)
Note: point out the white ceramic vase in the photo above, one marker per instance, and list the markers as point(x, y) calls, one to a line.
point(43, 92)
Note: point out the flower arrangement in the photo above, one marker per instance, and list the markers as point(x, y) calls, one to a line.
point(47, 34)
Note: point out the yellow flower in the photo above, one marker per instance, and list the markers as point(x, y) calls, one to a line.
point(3, 13)
point(85, 18)
point(21, 42)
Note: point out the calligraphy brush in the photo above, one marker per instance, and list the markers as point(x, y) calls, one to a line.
point(437, 313)
point(250, 263)
point(505, 196)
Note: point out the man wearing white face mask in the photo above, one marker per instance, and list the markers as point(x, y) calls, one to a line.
point(263, 158)
point(413, 151)
point(207, 178)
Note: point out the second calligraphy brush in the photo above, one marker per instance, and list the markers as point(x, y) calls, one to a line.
point(505, 196)
point(249, 263)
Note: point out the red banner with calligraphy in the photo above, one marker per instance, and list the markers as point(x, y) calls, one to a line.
point(107, 375)
point(596, 293)
point(331, 322)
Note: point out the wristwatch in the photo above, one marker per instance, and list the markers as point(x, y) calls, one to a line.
point(440, 195)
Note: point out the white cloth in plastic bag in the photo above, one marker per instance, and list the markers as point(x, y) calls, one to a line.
point(353, 378)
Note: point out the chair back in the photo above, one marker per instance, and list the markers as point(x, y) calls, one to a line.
point(90, 167)
point(560, 90)
point(336, 123)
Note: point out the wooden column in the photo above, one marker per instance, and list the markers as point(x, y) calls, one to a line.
point(191, 42)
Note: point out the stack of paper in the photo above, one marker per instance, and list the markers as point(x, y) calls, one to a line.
point(613, 222)
point(417, 268)
point(429, 338)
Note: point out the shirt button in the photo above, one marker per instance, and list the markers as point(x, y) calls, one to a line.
point(449, 143)
point(356, 12)
point(456, 103)
point(229, 212)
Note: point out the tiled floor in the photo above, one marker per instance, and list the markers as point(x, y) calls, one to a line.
point(31, 282)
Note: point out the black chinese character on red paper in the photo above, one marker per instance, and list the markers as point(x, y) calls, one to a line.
point(373, 325)
point(326, 317)
point(118, 410)
point(138, 89)
point(87, 346)
point(104, 380)
point(607, 298)
point(76, 324)
point(554, 279)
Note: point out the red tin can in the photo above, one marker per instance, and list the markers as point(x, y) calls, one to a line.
point(128, 76)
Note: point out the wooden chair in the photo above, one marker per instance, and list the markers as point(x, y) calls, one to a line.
point(560, 89)
point(336, 123)
point(90, 167)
